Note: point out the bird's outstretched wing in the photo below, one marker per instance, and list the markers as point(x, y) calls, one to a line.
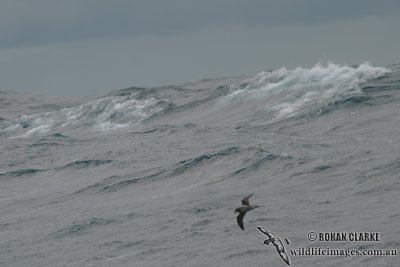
point(281, 251)
point(264, 231)
point(245, 201)
point(240, 219)
point(284, 256)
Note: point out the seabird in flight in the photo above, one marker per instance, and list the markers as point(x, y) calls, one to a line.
point(275, 241)
point(243, 209)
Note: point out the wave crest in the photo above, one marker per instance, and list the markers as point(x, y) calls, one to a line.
point(103, 114)
point(287, 93)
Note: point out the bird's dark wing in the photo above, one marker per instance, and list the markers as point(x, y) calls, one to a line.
point(240, 219)
point(245, 201)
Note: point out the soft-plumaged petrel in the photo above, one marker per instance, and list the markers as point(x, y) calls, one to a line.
point(273, 240)
point(243, 209)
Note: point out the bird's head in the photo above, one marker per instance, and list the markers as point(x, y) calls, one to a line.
point(267, 242)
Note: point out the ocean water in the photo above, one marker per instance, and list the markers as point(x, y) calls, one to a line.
point(152, 176)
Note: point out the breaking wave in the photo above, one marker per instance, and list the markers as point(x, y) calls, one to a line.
point(266, 98)
point(103, 114)
point(287, 93)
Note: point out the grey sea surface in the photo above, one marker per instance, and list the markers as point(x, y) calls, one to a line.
point(152, 176)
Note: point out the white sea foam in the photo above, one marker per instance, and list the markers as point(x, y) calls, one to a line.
point(289, 92)
point(103, 114)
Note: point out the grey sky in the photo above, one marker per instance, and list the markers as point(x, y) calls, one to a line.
point(85, 47)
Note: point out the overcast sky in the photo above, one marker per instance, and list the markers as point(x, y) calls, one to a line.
point(90, 47)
